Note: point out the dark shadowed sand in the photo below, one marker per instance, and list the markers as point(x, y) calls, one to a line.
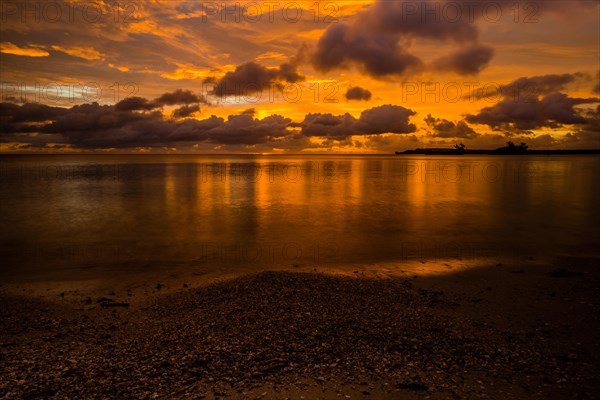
point(503, 332)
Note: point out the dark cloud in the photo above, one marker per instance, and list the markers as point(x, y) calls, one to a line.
point(252, 77)
point(179, 96)
point(444, 128)
point(539, 85)
point(378, 41)
point(186, 111)
point(94, 126)
point(386, 119)
point(29, 112)
point(533, 87)
point(467, 60)
point(288, 72)
point(383, 119)
point(534, 102)
point(588, 135)
point(26, 118)
point(136, 104)
point(328, 125)
point(379, 56)
point(417, 19)
point(525, 113)
point(358, 93)
point(244, 129)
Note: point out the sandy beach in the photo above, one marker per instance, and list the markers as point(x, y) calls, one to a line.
point(508, 331)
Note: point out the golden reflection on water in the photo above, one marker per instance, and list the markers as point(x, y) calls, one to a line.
point(241, 213)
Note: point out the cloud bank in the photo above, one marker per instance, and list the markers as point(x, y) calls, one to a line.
point(377, 120)
point(358, 93)
point(379, 41)
point(138, 123)
point(534, 102)
point(444, 128)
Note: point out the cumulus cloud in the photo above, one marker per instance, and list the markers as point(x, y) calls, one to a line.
point(386, 119)
point(186, 111)
point(379, 56)
point(380, 38)
point(539, 85)
point(378, 41)
point(469, 60)
point(358, 93)
point(588, 135)
point(528, 88)
point(244, 129)
point(530, 112)
point(252, 77)
point(179, 96)
point(535, 102)
point(136, 104)
point(377, 120)
point(95, 126)
point(29, 112)
point(444, 128)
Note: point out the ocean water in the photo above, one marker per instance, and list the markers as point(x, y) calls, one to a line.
point(113, 214)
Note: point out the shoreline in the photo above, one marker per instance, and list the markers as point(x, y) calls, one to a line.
point(497, 332)
point(68, 286)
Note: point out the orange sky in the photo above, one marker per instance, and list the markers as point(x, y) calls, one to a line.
point(427, 57)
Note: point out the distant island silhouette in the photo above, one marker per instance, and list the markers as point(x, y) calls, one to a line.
point(509, 149)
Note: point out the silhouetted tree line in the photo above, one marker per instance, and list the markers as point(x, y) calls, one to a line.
point(510, 148)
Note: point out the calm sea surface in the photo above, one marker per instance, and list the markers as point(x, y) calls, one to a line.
point(127, 214)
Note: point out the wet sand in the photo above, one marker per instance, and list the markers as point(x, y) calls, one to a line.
point(503, 331)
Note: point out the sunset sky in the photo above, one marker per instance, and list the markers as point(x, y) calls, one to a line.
point(302, 76)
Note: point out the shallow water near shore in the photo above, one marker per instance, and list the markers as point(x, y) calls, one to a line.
point(100, 217)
